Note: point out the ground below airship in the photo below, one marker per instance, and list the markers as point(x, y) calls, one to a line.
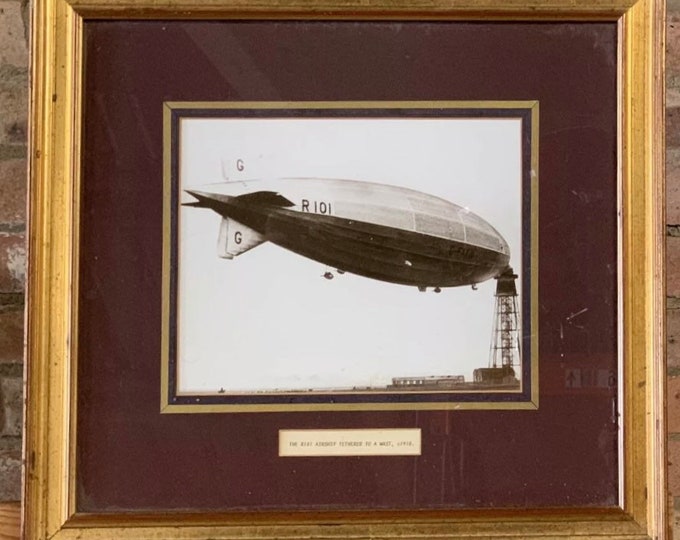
point(379, 231)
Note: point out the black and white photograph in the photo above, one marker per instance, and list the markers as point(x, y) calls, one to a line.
point(349, 254)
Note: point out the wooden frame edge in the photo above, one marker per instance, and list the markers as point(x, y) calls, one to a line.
point(10, 520)
point(643, 240)
point(54, 111)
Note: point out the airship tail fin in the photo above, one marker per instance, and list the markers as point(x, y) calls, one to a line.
point(235, 238)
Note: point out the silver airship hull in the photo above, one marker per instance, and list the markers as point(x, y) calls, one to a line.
point(388, 233)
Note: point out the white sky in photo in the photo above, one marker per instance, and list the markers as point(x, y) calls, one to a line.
point(268, 320)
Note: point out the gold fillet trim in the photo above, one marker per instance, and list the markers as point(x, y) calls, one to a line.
point(318, 407)
point(535, 126)
point(212, 105)
point(167, 235)
point(75, 166)
point(168, 107)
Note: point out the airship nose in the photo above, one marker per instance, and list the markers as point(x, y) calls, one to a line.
point(504, 248)
point(480, 232)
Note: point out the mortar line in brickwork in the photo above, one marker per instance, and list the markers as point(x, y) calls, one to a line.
point(12, 228)
point(12, 151)
point(11, 369)
point(11, 297)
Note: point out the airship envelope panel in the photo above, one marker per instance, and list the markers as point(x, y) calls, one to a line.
point(384, 232)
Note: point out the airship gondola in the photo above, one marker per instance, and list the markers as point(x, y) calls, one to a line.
point(379, 231)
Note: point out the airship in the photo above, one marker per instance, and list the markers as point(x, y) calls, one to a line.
point(384, 232)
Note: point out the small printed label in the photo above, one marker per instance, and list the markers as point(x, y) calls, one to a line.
point(349, 442)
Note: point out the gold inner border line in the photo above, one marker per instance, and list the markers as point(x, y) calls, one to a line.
point(166, 407)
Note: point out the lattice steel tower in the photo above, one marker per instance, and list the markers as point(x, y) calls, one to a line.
point(505, 343)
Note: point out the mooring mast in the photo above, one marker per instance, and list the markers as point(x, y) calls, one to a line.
point(505, 345)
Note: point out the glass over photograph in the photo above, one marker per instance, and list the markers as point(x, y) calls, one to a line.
point(380, 254)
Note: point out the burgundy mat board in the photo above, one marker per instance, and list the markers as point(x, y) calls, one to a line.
point(130, 457)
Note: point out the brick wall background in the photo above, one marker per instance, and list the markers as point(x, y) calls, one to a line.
point(13, 125)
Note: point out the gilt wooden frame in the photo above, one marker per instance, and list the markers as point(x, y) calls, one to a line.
point(56, 99)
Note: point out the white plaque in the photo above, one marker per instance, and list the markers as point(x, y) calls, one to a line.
point(349, 442)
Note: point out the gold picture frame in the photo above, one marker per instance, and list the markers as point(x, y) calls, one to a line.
point(55, 210)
